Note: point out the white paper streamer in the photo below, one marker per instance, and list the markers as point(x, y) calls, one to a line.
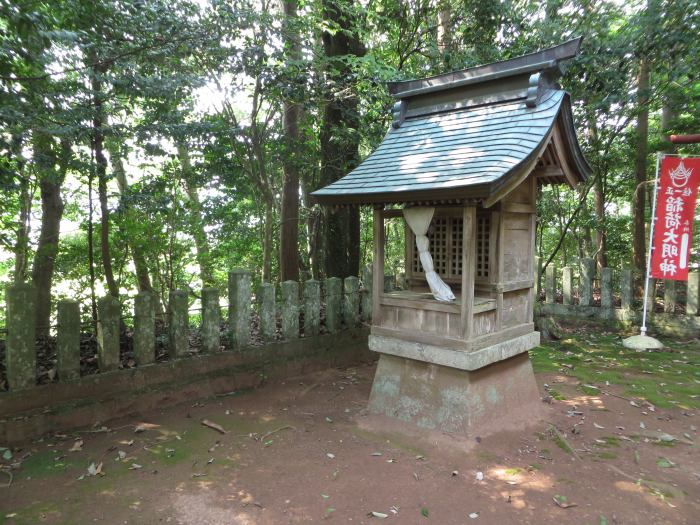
point(418, 220)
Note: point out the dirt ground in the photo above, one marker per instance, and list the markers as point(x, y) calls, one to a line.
point(296, 452)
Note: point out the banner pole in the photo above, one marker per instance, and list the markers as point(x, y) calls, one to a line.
point(643, 329)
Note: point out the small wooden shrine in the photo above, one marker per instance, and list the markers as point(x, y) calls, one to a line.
point(461, 164)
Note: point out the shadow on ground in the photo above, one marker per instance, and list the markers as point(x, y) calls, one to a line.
point(617, 446)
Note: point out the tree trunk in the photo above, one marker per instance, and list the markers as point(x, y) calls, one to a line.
point(51, 178)
point(143, 278)
point(267, 240)
point(600, 233)
point(640, 170)
point(196, 218)
point(340, 141)
point(101, 171)
point(444, 32)
point(25, 209)
point(289, 229)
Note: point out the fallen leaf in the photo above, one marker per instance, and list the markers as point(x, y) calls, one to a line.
point(474, 515)
point(77, 446)
point(376, 454)
point(598, 426)
point(212, 425)
point(95, 470)
point(665, 463)
point(330, 456)
point(379, 515)
point(563, 502)
point(135, 466)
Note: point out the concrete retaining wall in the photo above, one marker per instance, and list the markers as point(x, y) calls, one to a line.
point(97, 398)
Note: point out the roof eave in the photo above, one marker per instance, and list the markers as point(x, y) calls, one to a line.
point(545, 59)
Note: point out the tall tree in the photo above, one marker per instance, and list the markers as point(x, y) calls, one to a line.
point(640, 168)
point(196, 215)
point(339, 135)
point(289, 213)
point(51, 166)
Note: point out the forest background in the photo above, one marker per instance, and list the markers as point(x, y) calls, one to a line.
point(156, 144)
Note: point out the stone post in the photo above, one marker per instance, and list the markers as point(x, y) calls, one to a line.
point(211, 320)
point(669, 296)
point(539, 262)
point(366, 299)
point(333, 303)
point(693, 302)
point(567, 282)
point(239, 307)
point(586, 282)
point(312, 307)
point(550, 285)
point(627, 288)
point(351, 305)
point(606, 291)
point(145, 328)
point(651, 297)
point(178, 325)
point(267, 311)
point(20, 352)
point(389, 283)
point(108, 333)
point(290, 309)
point(68, 340)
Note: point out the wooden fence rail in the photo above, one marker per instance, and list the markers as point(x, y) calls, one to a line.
point(345, 304)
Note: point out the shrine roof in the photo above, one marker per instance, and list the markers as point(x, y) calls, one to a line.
point(471, 135)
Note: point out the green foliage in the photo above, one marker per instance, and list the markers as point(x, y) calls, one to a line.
point(213, 78)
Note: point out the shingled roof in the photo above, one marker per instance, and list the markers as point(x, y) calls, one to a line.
point(471, 135)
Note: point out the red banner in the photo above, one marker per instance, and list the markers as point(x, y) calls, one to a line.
point(679, 179)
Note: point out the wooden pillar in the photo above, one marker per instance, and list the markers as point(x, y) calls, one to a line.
point(468, 269)
point(497, 232)
point(378, 270)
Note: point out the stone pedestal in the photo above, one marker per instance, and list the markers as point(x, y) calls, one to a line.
point(464, 403)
